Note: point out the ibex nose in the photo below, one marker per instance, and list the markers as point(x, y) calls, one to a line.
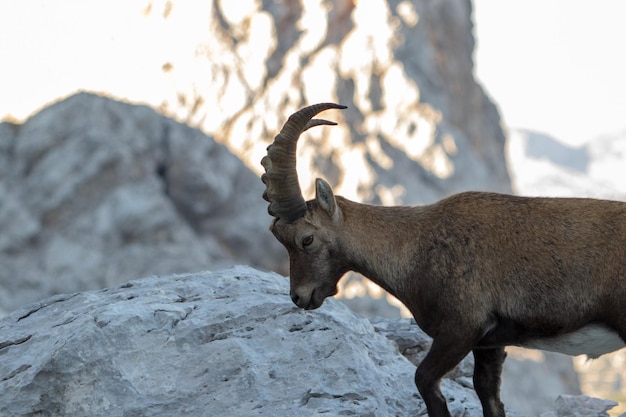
point(304, 300)
point(295, 298)
point(301, 302)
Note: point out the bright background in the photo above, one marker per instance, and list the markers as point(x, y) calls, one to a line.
point(557, 67)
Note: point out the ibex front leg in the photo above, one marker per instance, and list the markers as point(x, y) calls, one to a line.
point(441, 359)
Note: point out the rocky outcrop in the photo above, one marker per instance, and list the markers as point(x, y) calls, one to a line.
point(580, 406)
point(95, 192)
point(418, 126)
point(216, 343)
point(92, 189)
point(225, 343)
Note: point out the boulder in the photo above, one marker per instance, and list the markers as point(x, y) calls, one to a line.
point(95, 192)
point(418, 126)
point(580, 406)
point(217, 343)
point(214, 343)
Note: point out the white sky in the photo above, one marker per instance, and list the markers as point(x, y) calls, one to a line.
point(558, 67)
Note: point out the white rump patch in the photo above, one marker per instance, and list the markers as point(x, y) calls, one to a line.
point(592, 340)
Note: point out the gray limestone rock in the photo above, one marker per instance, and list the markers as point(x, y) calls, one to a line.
point(218, 343)
point(95, 192)
point(580, 406)
point(418, 126)
point(223, 343)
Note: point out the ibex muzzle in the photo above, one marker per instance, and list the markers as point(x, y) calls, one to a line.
point(478, 271)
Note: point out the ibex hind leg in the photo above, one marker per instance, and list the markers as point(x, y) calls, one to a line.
point(441, 359)
point(487, 372)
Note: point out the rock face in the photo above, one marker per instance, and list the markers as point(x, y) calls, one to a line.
point(225, 343)
point(216, 343)
point(418, 125)
point(580, 406)
point(95, 192)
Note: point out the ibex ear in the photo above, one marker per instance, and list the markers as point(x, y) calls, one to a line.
point(325, 198)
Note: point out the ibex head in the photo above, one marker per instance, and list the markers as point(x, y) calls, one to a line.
point(306, 229)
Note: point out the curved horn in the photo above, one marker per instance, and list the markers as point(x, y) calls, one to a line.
point(281, 178)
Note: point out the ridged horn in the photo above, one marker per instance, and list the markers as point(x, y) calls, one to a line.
point(281, 178)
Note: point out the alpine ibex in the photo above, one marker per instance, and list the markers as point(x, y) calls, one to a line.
point(478, 271)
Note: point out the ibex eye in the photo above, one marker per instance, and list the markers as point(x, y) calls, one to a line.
point(307, 240)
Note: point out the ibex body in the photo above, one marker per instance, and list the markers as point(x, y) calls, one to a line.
point(478, 271)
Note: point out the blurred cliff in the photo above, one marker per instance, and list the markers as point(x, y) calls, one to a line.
point(95, 192)
point(95, 187)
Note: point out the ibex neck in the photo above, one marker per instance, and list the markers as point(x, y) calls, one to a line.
point(377, 242)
